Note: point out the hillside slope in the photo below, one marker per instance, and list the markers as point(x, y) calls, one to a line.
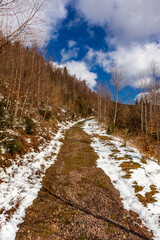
point(78, 201)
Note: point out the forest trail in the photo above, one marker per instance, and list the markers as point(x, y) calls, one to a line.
point(78, 200)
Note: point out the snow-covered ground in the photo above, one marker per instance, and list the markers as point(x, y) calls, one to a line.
point(112, 155)
point(22, 181)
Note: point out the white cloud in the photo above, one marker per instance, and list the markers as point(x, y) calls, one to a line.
point(67, 55)
point(42, 27)
point(133, 28)
point(71, 43)
point(101, 58)
point(135, 60)
point(96, 12)
point(136, 20)
point(81, 71)
point(53, 13)
point(146, 95)
point(143, 82)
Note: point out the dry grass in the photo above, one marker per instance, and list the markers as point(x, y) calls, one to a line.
point(128, 166)
point(137, 188)
point(148, 198)
point(75, 178)
point(143, 159)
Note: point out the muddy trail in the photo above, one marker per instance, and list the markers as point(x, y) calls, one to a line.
point(78, 201)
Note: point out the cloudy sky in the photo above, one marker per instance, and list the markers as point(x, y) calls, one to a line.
point(89, 36)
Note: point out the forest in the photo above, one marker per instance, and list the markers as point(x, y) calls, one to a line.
point(32, 87)
point(79, 153)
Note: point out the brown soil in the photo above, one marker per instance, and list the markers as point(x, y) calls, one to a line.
point(78, 201)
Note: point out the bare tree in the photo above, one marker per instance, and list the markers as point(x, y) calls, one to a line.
point(107, 103)
point(144, 99)
point(15, 17)
point(117, 80)
point(99, 102)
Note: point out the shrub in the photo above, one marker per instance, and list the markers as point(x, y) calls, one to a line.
point(73, 116)
point(29, 125)
point(2, 115)
point(12, 146)
point(90, 110)
point(109, 131)
point(45, 113)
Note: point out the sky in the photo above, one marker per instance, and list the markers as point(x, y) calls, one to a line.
point(90, 36)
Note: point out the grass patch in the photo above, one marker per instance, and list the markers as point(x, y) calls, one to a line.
point(109, 144)
point(126, 156)
point(127, 167)
point(137, 188)
point(115, 151)
point(67, 216)
point(105, 138)
point(13, 146)
point(143, 160)
point(85, 180)
point(85, 157)
point(113, 155)
point(120, 158)
point(30, 125)
point(111, 228)
point(44, 230)
point(101, 182)
point(130, 151)
point(148, 198)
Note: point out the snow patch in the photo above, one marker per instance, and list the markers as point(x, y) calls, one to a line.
point(22, 181)
point(147, 175)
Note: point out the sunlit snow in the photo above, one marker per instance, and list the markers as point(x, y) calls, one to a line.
point(22, 181)
point(146, 176)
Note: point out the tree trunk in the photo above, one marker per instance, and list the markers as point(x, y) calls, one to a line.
point(142, 124)
point(146, 122)
point(115, 113)
point(157, 132)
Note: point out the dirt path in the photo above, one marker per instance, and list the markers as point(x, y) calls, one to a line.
point(78, 201)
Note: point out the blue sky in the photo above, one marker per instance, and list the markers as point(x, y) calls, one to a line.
point(75, 39)
point(90, 36)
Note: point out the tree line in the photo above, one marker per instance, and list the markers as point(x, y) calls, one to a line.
point(30, 84)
